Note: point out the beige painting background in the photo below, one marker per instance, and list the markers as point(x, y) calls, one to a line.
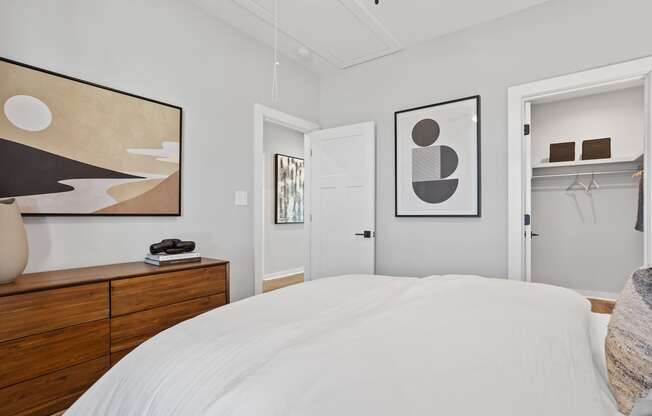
point(91, 124)
point(97, 126)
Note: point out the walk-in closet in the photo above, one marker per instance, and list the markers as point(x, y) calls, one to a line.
point(586, 196)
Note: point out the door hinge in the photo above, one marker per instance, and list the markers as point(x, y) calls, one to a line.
point(310, 152)
point(526, 129)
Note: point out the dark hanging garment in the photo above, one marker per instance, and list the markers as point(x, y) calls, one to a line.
point(639, 217)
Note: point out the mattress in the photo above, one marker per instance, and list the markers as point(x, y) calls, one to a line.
point(369, 345)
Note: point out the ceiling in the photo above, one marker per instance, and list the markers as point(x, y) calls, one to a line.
point(338, 34)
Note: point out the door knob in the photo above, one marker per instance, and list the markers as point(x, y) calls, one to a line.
point(365, 234)
point(534, 234)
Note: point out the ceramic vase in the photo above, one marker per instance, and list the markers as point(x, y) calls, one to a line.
point(13, 241)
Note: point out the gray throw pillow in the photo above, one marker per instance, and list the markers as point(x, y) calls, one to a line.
point(629, 342)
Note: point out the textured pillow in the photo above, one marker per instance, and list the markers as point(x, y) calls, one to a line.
point(629, 342)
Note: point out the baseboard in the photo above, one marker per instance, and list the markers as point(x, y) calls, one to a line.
point(283, 273)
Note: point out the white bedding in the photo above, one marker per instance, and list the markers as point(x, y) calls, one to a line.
point(368, 345)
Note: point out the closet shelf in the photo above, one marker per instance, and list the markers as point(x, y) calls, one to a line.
point(588, 162)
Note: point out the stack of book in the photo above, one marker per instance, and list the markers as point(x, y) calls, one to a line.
point(167, 259)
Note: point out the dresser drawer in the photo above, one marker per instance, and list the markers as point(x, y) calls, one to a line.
point(53, 392)
point(141, 293)
point(128, 331)
point(117, 356)
point(37, 312)
point(29, 357)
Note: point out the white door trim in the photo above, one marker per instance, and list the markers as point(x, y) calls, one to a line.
point(517, 96)
point(261, 115)
point(527, 197)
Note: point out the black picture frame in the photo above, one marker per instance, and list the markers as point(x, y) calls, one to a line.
point(276, 181)
point(479, 159)
point(92, 84)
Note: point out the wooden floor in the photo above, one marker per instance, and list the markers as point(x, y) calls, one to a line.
point(602, 305)
point(273, 284)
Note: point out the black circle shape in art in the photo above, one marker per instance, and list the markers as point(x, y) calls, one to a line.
point(449, 161)
point(425, 132)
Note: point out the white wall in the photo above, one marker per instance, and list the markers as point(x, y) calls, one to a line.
point(557, 37)
point(171, 51)
point(284, 243)
point(586, 241)
point(617, 114)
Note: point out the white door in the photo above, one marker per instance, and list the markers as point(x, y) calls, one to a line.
point(340, 199)
point(527, 177)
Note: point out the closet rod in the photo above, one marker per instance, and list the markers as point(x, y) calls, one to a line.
point(563, 175)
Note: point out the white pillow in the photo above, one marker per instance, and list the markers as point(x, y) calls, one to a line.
point(599, 326)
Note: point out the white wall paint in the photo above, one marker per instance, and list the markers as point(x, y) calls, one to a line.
point(284, 243)
point(618, 114)
point(586, 241)
point(171, 51)
point(558, 37)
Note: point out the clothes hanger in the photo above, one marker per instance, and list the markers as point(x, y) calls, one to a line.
point(576, 182)
point(594, 184)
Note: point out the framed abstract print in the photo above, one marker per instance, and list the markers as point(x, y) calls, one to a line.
point(289, 189)
point(437, 160)
point(71, 147)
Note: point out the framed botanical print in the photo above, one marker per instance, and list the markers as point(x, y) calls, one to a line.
point(289, 190)
point(437, 160)
point(72, 147)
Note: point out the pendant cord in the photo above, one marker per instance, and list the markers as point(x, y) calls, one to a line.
point(276, 62)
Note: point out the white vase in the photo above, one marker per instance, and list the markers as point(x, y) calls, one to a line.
point(13, 241)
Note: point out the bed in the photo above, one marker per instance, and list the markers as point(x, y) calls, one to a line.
point(371, 345)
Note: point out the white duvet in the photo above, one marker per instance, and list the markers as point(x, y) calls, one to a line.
point(368, 345)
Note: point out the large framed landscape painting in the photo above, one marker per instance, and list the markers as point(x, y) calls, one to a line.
point(437, 160)
point(71, 147)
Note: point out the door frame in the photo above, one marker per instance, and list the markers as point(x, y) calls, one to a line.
point(518, 96)
point(264, 114)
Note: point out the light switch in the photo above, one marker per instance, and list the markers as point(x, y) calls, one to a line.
point(241, 198)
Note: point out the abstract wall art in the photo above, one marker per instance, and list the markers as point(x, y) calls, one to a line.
point(289, 190)
point(437, 160)
point(71, 147)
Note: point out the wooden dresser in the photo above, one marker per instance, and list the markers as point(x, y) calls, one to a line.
point(61, 330)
